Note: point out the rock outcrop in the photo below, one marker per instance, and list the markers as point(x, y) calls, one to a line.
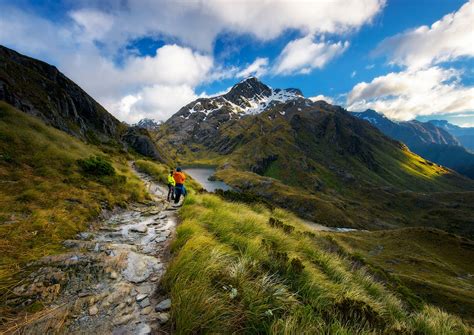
point(139, 139)
point(40, 89)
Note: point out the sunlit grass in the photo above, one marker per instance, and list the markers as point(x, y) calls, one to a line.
point(233, 272)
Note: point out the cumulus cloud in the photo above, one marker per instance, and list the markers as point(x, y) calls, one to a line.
point(303, 55)
point(423, 87)
point(86, 43)
point(158, 102)
point(407, 94)
point(258, 68)
point(197, 23)
point(445, 40)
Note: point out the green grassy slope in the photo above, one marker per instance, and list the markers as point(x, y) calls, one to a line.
point(435, 265)
point(45, 197)
point(245, 269)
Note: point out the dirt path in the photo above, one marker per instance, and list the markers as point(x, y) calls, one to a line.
point(108, 281)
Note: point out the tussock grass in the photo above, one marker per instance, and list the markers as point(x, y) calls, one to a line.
point(434, 264)
point(45, 196)
point(239, 269)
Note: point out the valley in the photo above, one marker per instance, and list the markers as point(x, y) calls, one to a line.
point(89, 243)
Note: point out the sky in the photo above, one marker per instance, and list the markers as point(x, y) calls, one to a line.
point(147, 58)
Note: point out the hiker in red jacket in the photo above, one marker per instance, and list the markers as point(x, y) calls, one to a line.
point(179, 178)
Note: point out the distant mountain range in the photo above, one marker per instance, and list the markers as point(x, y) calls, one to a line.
point(427, 139)
point(465, 135)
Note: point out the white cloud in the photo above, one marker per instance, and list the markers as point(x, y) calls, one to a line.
point(86, 43)
point(128, 91)
point(158, 102)
point(406, 94)
point(303, 55)
point(197, 23)
point(423, 87)
point(329, 100)
point(445, 40)
point(258, 68)
point(353, 74)
point(171, 65)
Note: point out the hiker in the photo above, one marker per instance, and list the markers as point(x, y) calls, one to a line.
point(171, 186)
point(179, 178)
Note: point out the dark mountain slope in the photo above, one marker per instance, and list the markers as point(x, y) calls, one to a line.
point(40, 89)
point(312, 157)
point(427, 140)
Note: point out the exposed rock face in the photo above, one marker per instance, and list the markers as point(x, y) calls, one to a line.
point(40, 89)
point(139, 139)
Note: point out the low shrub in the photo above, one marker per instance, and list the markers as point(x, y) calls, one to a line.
point(96, 166)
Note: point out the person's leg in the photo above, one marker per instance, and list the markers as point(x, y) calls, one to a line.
point(177, 194)
point(170, 190)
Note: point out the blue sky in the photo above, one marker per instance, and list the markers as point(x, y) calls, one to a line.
point(143, 58)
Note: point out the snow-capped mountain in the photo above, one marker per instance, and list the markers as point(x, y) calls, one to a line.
point(201, 119)
point(249, 96)
point(148, 124)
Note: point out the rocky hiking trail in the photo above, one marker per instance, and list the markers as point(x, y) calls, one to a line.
point(108, 281)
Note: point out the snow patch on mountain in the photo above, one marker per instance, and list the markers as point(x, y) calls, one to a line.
point(255, 104)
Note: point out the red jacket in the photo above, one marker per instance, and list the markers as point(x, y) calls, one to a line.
point(179, 177)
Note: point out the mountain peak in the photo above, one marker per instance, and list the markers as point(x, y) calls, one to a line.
point(248, 88)
point(147, 123)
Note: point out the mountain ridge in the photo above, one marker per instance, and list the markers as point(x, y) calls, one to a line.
point(40, 89)
point(464, 134)
point(426, 139)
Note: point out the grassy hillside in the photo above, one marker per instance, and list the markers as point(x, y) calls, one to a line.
point(46, 195)
point(245, 269)
point(436, 265)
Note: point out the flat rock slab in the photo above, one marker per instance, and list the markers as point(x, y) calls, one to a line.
point(141, 228)
point(140, 267)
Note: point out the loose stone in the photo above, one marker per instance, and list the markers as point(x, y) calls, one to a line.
point(140, 297)
point(163, 317)
point(93, 310)
point(164, 305)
